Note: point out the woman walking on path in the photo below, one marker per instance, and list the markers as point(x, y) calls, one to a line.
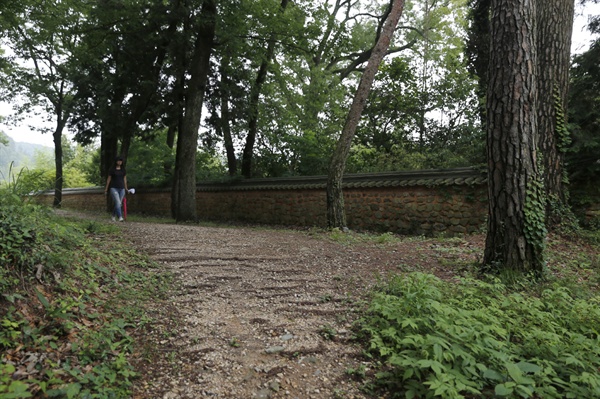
point(117, 184)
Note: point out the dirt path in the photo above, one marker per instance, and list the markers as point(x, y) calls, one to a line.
point(259, 313)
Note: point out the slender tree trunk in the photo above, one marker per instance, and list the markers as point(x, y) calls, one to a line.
point(254, 103)
point(336, 216)
point(178, 53)
point(555, 26)
point(58, 161)
point(478, 49)
point(424, 97)
point(184, 189)
point(126, 143)
point(108, 152)
point(178, 97)
point(111, 130)
point(224, 119)
point(516, 230)
point(253, 118)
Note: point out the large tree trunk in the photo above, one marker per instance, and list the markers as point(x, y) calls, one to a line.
point(516, 229)
point(254, 103)
point(184, 186)
point(555, 26)
point(336, 216)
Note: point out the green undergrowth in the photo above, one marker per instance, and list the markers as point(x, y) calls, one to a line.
point(72, 295)
point(478, 339)
point(350, 237)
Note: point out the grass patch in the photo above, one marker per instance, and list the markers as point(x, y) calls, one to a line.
point(350, 237)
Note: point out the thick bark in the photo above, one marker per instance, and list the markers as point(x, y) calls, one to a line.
point(336, 217)
point(555, 26)
point(254, 103)
point(184, 186)
point(512, 139)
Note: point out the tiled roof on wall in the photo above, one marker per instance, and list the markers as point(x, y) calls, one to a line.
point(429, 178)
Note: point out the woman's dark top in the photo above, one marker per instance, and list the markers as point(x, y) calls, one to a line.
point(117, 178)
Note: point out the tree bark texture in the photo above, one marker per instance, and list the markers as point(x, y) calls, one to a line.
point(555, 26)
point(511, 137)
point(336, 216)
point(184, 186)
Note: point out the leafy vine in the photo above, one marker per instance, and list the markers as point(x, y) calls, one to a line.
point(563, 138)
point(535, 215)
point(562, 133)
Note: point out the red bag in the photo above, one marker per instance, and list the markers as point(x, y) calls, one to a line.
point(124, 207)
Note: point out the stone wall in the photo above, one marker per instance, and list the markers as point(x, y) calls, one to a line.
point(423, 202)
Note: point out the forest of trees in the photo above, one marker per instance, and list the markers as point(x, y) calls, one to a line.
point(195, 89)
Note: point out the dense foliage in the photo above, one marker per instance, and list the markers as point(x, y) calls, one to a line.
point(423, 111)
point(423, 101)
point(483, 339)
point(584, 117)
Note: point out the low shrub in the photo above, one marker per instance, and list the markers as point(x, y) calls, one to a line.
point(69, 299)
point(482, 339)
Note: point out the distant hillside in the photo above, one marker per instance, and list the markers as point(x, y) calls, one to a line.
point(22, 154)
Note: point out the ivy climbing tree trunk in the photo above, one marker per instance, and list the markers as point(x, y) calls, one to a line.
point(516, 228)
point(336, 216)
point(555, 26)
